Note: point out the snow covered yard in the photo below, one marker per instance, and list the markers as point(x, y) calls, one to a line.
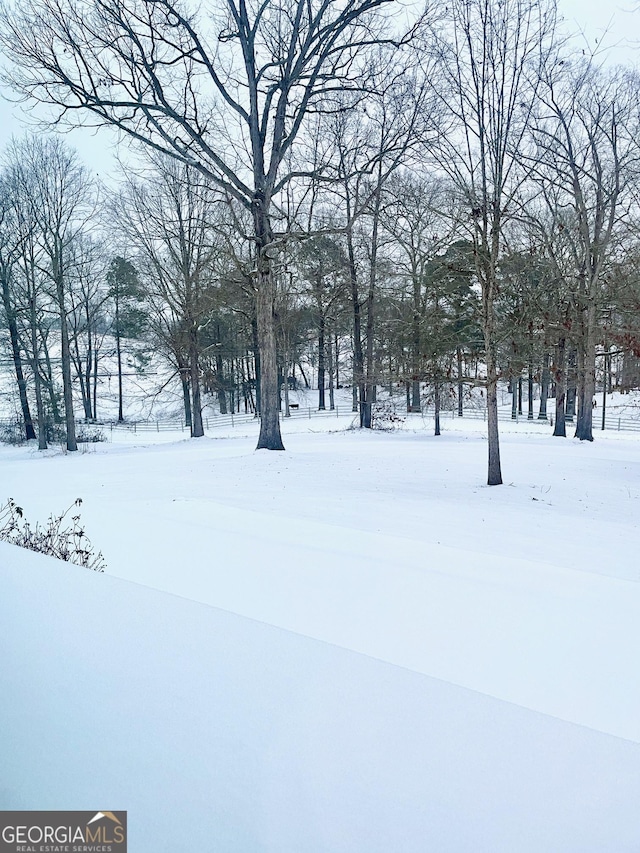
point(458, 668)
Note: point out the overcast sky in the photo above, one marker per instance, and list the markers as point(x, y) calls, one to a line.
point(593, 18)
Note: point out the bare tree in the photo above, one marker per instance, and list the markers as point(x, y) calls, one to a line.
point(169, 220)
point(227, 95)
point(57, 195)
point(493, 55)
point(11, 241)
point(586, 158)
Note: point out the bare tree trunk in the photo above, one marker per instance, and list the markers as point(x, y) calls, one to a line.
point(119, 356)
point(570, 405)
point(321, 363)
point(530, 393)
point(95, 383)
point(37, 379)
point(67, 387)
point(494, 472)
point(270, 437)
point(285, 360)
point(222, 400)
point(358, 357)
point(560, 379)
point(197, 430)
point(587, 376)
point(416, 346)
point(85, 390)
point(460, 385)
point(332, 403)
point(519, 395)
point(30, 432)
point(436, 400)
point(544, 389)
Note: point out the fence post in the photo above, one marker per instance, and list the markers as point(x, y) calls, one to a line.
point(232, 419)
point(157, 426)
point(309, 412)
point(337, 412)
point(618, 424)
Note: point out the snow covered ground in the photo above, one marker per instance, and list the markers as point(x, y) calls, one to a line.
point(354, 645)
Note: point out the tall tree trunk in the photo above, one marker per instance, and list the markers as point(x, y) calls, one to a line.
point(544, 388)
point(270, 437)
point(95, 382)
point(50, 385)
point(436, 400)
point(519, 395)
point(222, 400)
point(514, 398)
point(37, 379)
point(16, 351)
point(119, 357)
point(584, 423)
point(560, 379)
point(371, 378)
point(85, 390)
point(530, 393)
point(460, 385)
point(197, 429)
point(358, 356)
point(416, 347)
point(494, 470)
point(332, 402)
point(570, 404)
point(321, 363)
point(186, 396)
point(89, 360)
point(285, 361)
point(67, 387)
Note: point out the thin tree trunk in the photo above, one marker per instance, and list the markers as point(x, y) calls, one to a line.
point(436, 400)
point(332, 403)
point(520, 395)
point(95, 383)
point(37, 379)
point(222, 399)
point(358, 356)
point(321, 363)
point(119, 356)
point(197, 430)
point(544, 389)
point(530, 393)
point(416, 346)
point(67, 387)
point(285, 359)
point(460, 384)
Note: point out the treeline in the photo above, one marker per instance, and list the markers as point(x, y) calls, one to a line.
point(454, 204)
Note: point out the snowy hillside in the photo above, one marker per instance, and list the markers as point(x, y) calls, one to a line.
point(353, 645)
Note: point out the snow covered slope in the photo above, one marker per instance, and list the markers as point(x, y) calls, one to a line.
point(219, 733)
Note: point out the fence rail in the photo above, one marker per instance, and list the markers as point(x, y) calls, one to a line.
point(613, 422)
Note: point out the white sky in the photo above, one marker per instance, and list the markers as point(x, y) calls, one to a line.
point(594, 19)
